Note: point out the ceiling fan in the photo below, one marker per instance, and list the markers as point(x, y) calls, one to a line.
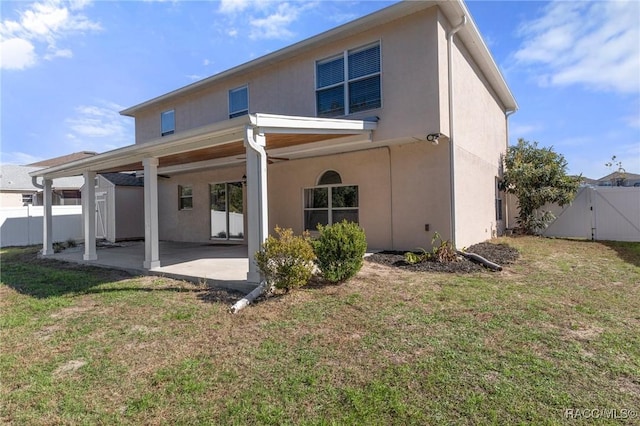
point(270, 159)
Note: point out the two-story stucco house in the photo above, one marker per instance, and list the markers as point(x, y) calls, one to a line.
point(397, 120)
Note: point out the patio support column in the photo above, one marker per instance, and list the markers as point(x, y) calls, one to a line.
point(89, 213)
point(257, 206)
point(47, 224)
point(151, 239)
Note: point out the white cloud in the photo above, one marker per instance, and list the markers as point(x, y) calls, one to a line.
point(233, 6)
point(267, 19)
point(520, 130)
point(595, 44)
point(99, 127)
point(41, 27)
point(274, 25)
point(16, 54)
point(61, 53)
point(194, 77)
point(633, 121)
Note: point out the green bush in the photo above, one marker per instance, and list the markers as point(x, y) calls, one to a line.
point(339, 250)
point(286, 260)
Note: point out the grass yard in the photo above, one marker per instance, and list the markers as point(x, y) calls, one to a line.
point(558, 330)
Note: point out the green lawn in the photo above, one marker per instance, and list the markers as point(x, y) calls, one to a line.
point(558, 330)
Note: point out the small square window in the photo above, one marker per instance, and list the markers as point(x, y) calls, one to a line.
point(168, 122)
point(238, 102)
point(27, 198)
point(185, 197)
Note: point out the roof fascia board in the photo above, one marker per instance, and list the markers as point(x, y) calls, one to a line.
point(279, 123)
point(133, 153)
point(202, 137)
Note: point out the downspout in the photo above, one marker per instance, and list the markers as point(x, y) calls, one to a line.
point(34, 182)
point(262, 155)
point(393, 247)
point(452, 140)
point(264, 285)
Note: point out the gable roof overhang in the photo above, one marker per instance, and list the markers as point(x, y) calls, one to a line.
point(453, 10)
point(222, 144)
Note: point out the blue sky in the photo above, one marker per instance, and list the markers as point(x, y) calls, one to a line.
point(69, 67)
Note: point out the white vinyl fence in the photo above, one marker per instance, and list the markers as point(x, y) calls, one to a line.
point(22, 226)
point(219, 224)
point(600, 213)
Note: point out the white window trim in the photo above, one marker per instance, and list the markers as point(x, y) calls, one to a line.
point(345, 81)
point(226, 183)
point(329, 207)
point(172, 131)
point(181, 197)
point(241, 112)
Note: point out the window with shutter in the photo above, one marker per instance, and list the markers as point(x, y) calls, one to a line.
point(238, 101)
point(349, 83)
point(168, 122)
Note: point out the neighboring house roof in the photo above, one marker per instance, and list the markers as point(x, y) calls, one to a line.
point(64, 159)
point(123, 179)
point(618, 175)
point(16, 178)
point(453, 10)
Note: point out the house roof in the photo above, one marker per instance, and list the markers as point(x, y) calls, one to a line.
point(17, 178)
point(618, 174)
point(453, 10)
point(64, 159)
point(123, 179)
point(222, 143)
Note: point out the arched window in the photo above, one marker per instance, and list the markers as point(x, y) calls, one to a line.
point(330, 177)
point(330, 202)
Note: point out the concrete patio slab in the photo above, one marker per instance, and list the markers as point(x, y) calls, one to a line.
point(216, 264)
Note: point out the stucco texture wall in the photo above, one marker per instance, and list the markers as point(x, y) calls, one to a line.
point(409, 53)
point(480, 140)
point(417, 171)
point(11, 199)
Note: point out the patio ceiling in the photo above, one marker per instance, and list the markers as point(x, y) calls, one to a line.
point(223, 144)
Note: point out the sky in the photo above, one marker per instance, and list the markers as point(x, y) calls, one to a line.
point(68, 67)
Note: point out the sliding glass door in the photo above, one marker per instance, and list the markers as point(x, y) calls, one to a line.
point(227, 211)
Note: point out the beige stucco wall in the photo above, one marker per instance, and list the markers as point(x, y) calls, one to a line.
point(404, 181)
point(409, 53)
point(11, 199)
point(417, 172)
point(194, 224)
point(480, 139)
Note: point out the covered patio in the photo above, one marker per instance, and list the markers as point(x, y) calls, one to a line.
point(219, 265)
point(244, 140)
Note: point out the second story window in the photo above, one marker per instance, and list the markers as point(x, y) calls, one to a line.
point(168, 122)
point(238, 101)
point(349, 83)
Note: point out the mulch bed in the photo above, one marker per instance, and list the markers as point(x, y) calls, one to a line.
point(501, 254)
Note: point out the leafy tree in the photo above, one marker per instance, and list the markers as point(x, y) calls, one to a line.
point(537, 176)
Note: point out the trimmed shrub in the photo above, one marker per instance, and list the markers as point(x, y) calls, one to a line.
point(339, 250)
point(286, 260)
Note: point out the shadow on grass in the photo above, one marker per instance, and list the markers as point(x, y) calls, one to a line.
point(27, 274)
point(627, 251)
